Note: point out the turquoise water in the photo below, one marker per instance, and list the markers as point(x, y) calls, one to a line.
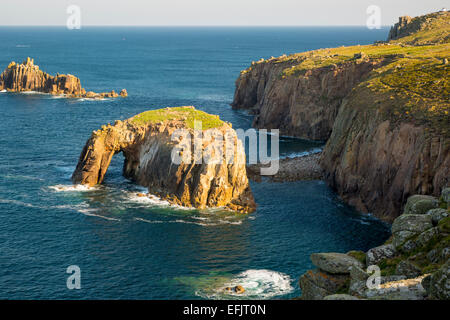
point(128, 247)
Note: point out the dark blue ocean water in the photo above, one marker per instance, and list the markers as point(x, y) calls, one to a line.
point(132, 248)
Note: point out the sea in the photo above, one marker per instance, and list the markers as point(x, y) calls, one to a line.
point(128, 247)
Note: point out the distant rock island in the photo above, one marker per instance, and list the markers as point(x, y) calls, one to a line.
point(146, 143)
point(383, 109)
point(28, 77)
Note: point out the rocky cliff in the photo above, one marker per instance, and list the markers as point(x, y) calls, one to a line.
point(383, 109)
point(286, 94)
point(146, 141)
point(28, 77)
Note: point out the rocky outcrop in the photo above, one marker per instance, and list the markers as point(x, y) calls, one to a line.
point(28, 77)
point(407, 26)
point(415, 268)
point(402, 28)
point(334, 263)
point(147, 142)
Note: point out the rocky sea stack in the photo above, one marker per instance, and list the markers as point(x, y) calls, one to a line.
point(383, 109)
point(147, 143)
point(28, 77)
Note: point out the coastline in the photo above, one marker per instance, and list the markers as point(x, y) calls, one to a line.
point(291, 169)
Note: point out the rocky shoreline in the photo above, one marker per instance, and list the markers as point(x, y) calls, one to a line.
point(290, 169)
point(414, 264)
point(28, 77)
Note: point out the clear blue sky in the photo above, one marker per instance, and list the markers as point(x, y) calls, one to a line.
point(211, 12)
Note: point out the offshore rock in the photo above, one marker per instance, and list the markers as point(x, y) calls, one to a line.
point(28, 77)
point(147, 143)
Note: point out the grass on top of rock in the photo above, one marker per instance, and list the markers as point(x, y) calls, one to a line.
point(187, 114)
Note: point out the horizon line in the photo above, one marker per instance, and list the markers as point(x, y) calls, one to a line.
point(191, 26)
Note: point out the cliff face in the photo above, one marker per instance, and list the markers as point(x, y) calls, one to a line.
point(28, 77)
point(147, 147)
point(375, 164)
point(383, 108)
point(304, 105)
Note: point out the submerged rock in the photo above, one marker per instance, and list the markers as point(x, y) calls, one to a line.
point(236, 289)
point(28, 77)
point(148, 142)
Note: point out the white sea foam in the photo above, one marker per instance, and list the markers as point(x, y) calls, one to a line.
point(21, 177)
point(93, 99)
point(151, 200)
point(148, 221)
point(258, 284)
point(88, 212)
point(71, 188)
point(33, 92)
point(19, 203)
point(302, 154)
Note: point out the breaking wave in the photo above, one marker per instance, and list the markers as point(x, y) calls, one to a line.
point(258, 284)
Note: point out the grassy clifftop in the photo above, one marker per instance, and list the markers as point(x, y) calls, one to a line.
point(412, 82)
point(187, 114)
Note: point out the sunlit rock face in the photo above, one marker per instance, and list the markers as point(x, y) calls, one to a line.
point(28, 77)
point(148, 146)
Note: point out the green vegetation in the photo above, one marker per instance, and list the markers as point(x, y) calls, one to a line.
point(419, 256)
point(444, 225)
point(358, 255)
point(186, 114)
point(433, 28)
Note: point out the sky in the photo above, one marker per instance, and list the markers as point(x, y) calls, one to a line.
point(211, 12)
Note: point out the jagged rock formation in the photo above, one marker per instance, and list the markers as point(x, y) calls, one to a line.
point(28, 77)
point(414, 263)
point(383, 109)
point(433, 28)
point(400, 29)
point(146, 143)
